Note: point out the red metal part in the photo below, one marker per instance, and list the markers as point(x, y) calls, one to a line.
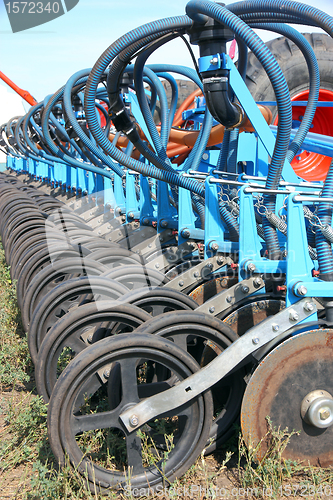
point(23, 93)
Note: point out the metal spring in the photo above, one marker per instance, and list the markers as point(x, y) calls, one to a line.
point(277, 222)
point(327, 232)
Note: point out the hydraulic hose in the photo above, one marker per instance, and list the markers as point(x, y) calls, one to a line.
point(256, 10)
point(78, 130)
point(314, 77)
point(105, 59)
point(199, 10)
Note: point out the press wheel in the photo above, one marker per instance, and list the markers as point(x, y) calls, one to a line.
point(79, 413)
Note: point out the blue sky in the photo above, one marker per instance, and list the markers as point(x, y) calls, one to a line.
point(41, 59)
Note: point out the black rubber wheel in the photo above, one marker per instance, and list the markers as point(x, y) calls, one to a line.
point(39, 261)
point(159, 300)
point(292, 63)
point(54, 275)
point(204, 338)
point(114, 257)
point(76, 331)
point(70, 425)
point(63, 299)
point(137, 276)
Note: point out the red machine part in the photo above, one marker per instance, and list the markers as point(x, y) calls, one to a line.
point(23, 93)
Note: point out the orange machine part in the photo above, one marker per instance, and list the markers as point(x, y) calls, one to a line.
point(186, 139)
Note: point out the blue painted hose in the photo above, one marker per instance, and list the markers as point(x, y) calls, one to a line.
point(105, 59)
point(255, 10)
point(202, 8)
point(78, 130)
point(314, 77)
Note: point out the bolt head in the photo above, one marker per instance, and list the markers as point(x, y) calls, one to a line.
point(251, 267)
point(211, 309)
point(157, 265)
point(181, 283)
point(106, 373)
point(220, 260)
point(133, 421)
point(229, 299)
point(214, 246)
point(90, 339)
point(302, 290)
point(293, 316)
point(309, 306)
point(245, 289)
point(214, 61)
point(275, 328)
point(257, 282)
point(205, 156)
point(196, 274)
point(255, 340)
point(324, 414)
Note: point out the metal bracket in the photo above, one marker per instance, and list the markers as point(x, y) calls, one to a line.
point(197, 273)
point(162, 262)
point(212, 373)
point(142, 242)
point(231, 296)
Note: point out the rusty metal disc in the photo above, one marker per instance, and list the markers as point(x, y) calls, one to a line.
point(251, 314)
point(294, 369)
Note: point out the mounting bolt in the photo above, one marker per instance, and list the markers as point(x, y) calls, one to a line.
point(181, 283)
point(196, 274)
point(90, 339)
point(214, 246)
point(220, 260)
point(106, 373)
point(245, 289)
point(205, 156)
point(145, 222)
point(157, 265)
point(214, 61)
point(308, 306)
point(257, 282)
point(229, 299)
point(293, 316)
point(302, 290)
point(133, 421)
point(211, 309)
point(209, 265)
point(130, 215)
point(164, 223)
point(255, 341)
point(275, 327)
point(185, 233)
point(251, 267)
point(324, 414)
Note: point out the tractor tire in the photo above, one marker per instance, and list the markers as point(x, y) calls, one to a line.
point(309, 166)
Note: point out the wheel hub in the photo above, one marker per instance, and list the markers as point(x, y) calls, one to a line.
point(317, 409)
point(284, 387)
